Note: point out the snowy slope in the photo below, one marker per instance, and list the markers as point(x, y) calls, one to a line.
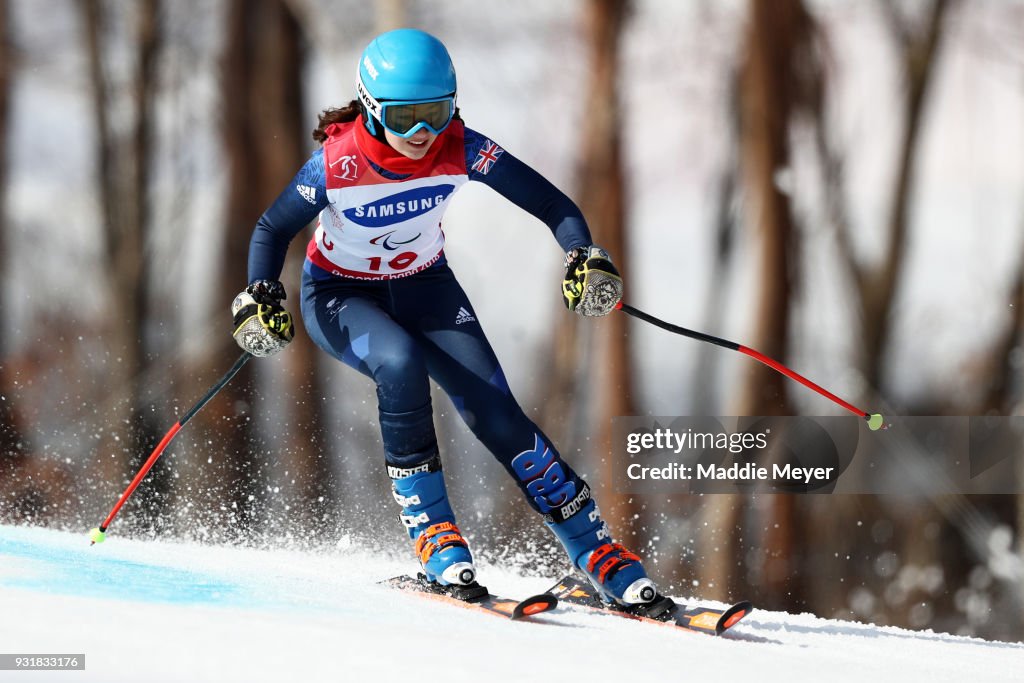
point(173, 612)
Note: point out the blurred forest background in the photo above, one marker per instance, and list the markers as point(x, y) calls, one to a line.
point(837, 183)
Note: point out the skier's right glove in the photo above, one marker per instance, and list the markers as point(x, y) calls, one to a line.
point(261, 325)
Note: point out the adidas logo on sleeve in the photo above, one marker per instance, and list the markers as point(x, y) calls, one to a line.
point(464, 316)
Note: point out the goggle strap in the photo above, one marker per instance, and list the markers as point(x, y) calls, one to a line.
point(369, 101)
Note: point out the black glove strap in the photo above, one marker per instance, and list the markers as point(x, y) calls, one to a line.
point(574, 259)
point(267, 291)
point(244, 313)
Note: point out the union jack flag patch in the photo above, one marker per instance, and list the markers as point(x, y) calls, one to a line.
point(486, 157)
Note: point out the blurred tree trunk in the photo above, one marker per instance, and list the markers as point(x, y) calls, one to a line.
point(285, 145)
point(606, 367)
point(123, 162)
point(33, 488)
point(920, 49)
point(998, 372)
point(589, 372)
point(1007, 400)
point(726, 229)
point(778, 56)
point(12, 441)
point(767, 108)
point(262, 132)
point(13, 447)
point(776, 31)
point(877, 286)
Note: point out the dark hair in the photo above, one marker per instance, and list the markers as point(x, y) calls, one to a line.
point(350, 112)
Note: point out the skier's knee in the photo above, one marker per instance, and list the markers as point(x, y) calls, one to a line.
point(399, 362)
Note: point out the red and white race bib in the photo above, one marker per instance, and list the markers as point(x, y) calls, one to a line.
point(377, 228)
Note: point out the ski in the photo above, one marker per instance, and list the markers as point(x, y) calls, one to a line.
point(663, 611)
point(475, 596)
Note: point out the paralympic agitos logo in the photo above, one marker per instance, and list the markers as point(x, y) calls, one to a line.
point(399, 207)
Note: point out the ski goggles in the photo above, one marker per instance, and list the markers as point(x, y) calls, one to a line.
point(405, 118)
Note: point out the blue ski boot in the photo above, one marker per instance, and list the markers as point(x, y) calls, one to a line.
point(442, 551)
point(615, 572)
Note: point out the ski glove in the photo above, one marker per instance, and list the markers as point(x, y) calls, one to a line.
point(592, 285)
point(261, 325)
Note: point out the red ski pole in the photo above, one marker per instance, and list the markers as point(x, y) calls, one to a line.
point(96, 535)
point(875, 420)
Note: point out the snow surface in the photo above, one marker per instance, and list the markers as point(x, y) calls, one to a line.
point(158, 611)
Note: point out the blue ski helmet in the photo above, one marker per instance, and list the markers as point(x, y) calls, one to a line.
point(406, 67)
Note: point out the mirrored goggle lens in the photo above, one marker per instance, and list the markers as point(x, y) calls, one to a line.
point(400, 118)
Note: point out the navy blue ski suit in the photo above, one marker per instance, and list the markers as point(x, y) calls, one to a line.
point(399, 319)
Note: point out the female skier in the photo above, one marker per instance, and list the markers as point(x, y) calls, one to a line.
point(378, 295)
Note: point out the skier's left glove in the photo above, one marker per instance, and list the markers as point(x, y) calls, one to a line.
point(261, 325)
point(592, 285)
